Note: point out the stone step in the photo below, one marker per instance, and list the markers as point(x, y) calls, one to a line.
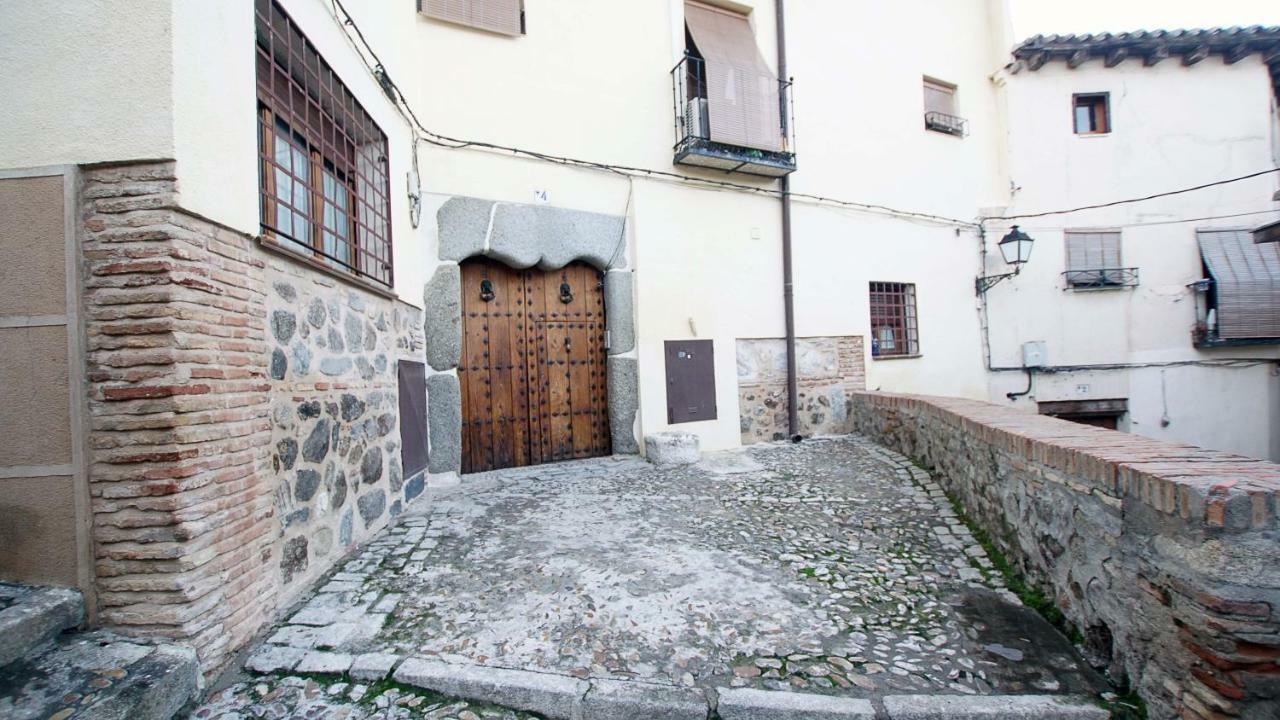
point(31, 617)
point(101, 676)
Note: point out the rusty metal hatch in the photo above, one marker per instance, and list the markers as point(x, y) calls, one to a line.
point(691, 381)
point(413, 416)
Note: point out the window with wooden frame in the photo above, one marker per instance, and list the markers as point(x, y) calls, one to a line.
point(940, 113)
point(323, 179)
point(1092, 113)
point(1093, 259)
point(505, 17)
point(894, 328)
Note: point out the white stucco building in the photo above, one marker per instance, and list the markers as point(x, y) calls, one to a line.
point(310, 257)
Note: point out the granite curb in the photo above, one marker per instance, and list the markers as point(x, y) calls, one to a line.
point(563, 697)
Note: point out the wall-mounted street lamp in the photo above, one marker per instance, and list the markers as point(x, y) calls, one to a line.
point(1015, 248)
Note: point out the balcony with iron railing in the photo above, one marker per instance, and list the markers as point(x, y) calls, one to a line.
point(1101, 278)
point(948, 124)
point(750, 134)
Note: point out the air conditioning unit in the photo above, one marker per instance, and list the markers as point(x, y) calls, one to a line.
point(696, 123)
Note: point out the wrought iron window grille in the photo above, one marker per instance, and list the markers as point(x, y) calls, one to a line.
point(1101, 278)
point(944, 123)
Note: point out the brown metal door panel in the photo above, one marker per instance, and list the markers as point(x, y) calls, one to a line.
point(691, 381)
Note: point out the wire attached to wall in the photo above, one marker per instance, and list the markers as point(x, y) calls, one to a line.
point(422, 133)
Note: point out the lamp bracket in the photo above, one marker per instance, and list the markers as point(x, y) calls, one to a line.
point(985, 282)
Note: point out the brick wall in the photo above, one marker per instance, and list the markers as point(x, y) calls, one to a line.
point(179, 467)
point(243, 416)
point(831, 369)
point(1166, 557)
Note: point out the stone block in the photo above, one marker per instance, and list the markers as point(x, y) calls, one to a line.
point(624, 403)
point(274, 658)
point(552, 696)
point(463, 224)
point(671, 448)
point(519, 233)
point(568, 235)
point(992, 707)
point(619, 305)
point(444, 424)
point(750, 704)
point(324, 663)
point(622, 700)
point(35, 616)
point(443, 318)
point(373, 666)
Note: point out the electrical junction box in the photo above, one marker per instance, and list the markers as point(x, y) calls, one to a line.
point(1035, 354)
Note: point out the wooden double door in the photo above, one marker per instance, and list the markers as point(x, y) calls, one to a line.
point(533, 377)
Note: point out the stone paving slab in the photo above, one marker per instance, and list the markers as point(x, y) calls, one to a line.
point(831, 567)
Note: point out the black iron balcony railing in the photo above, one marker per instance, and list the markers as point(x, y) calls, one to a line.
point(1101, 278)
point(944, 123)
point(763, 143)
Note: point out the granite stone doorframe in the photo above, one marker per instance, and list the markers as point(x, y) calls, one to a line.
point(524, 236)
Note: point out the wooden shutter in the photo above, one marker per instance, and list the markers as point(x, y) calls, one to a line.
point(742, 92)
point(939, 97)
point(500, 16)
point(1093, 251)
point(1246, 280)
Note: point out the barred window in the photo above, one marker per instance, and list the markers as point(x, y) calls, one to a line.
point(894, 330)
point(324, 186)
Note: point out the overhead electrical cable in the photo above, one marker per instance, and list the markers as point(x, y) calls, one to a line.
point(420, 131)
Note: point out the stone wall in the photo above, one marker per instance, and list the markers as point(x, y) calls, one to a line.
point(830, 369)
point(1166, 557)
point(335, 416)
point(244, 424)
point(182, 492)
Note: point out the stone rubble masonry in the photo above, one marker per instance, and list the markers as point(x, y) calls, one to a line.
point(1166, 557)
point(334, 414)
point(831, 370)
point(243, 416)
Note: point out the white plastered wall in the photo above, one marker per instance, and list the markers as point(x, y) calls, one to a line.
point(1172, 127)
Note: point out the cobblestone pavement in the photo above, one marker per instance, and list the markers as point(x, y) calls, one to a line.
point(833, 566)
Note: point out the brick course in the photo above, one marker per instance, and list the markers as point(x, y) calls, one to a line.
point(1166, 556)
point(178, 401)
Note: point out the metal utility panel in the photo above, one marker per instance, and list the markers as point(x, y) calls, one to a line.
point(691, 381)
point(413, 416)
point(1035, 354)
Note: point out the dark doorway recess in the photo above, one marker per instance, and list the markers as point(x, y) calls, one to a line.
point(1099, 413)
point(533, 377)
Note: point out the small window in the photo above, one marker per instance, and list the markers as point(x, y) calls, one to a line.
point(505, 17)
point(1093, 260)
point(894, 330)
point(1093, 114)
point(940, 114)
point(323, 180)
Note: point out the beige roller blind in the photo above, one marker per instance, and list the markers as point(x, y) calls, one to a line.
point(939, 97)
point(1246, 280)
point(500, 16)
point(742, 92)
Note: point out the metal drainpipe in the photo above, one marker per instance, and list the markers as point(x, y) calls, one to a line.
point(788, 295)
